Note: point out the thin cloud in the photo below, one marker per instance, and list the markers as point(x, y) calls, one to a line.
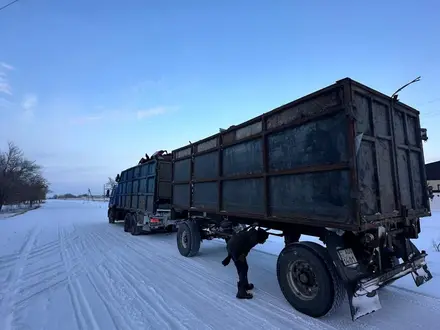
point(7, 66)
point(86, 119)
point(121, 115)
point(30, 101)
point(5, 103)
point(142, 114)
point(5, 87)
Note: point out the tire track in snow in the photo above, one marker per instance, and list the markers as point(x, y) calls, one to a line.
point(124, 270)
point(10, 293)
point(259, 312)
point(387, 317)
point(83, 313)
point(102, 291)
point(121, 282)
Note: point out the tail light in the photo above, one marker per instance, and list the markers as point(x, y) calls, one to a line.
point(154, 220)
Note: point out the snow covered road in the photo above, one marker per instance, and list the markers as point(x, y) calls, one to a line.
point(64, 267)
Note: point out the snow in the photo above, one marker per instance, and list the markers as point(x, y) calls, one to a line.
point(12, 210)
point(63, 266)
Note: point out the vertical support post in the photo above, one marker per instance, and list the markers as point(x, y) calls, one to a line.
point(408, 160)
point(220, 173)
point(265, 151)
point(376, 152)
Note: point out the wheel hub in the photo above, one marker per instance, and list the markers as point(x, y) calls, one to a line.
point(184, 239)
point(302, 280)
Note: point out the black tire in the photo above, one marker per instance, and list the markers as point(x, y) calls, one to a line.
point(135, 229)
point(111, 216)
point(327, 294)
point(127, 222)
point(188, 239)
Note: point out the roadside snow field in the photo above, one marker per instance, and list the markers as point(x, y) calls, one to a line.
point(63, 266)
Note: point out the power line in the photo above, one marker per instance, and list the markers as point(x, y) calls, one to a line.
point(7, 5)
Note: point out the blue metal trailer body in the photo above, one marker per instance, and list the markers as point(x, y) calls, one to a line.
point(142, 197)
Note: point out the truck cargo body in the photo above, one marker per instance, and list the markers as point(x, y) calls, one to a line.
point(345, 157)
point(143, 185)
point(142, 192)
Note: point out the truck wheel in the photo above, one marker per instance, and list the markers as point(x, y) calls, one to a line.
point(111, 216)
point(127, 222)
point(135, 229)
point(309, 280)
point(188, 239)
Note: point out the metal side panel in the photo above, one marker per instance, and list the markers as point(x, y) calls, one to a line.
point(389, 157)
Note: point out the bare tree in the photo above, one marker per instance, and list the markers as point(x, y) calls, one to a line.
point(111, 183)
point(20, 179)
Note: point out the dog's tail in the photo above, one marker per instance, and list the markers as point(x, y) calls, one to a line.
point(227, 260)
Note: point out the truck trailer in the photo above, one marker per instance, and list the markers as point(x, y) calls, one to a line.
point(142, 197)
point(344, 164)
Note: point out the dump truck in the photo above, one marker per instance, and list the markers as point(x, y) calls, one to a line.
point(142, 197)
point(344, 164)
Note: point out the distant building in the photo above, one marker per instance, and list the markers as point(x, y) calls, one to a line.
point(433, 175)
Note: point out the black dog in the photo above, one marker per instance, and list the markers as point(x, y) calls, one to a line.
point(238, 248)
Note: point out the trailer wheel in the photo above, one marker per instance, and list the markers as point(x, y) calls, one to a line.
point(127, 222)
point(308, 279)
point(111, 216)
point(188, 239)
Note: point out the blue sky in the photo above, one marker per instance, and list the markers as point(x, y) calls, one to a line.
point(87, 87)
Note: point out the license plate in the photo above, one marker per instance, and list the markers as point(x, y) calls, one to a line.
point(347, 257)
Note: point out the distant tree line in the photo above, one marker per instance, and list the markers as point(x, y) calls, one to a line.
point(68, 195)
point(21, 179)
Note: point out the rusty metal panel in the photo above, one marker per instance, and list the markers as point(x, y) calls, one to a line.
point(206, 195)
point(235, 134)
point(182, 170)
point(346, 153)
point(206, 166)
point(182, 153)
point(311, 107)
point(315, 143)
point(207, 145)
point(323, 194)
point(377, 190)
point(249, 130)
point(389, 158)
point(244, 196)
point(243, 158)
point(181, 195)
